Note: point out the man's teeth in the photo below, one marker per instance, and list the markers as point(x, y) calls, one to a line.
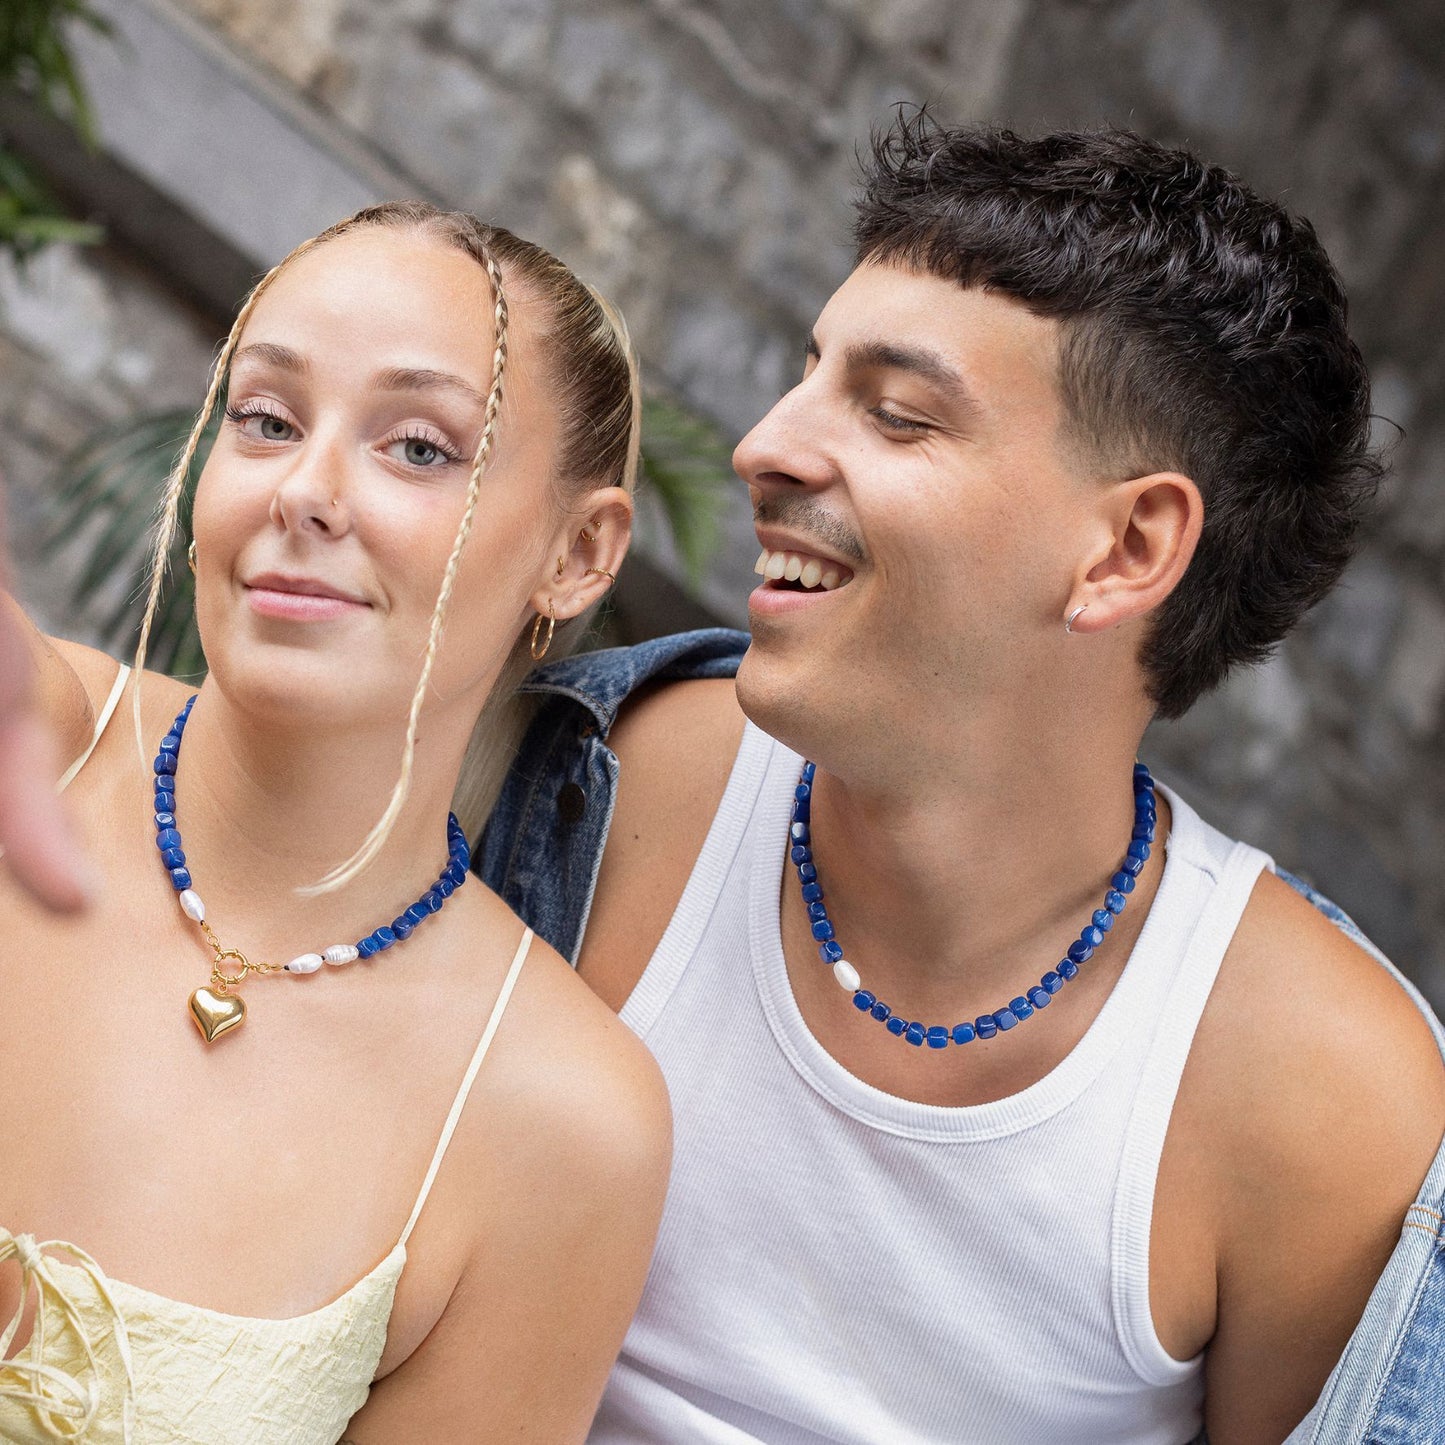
point(799, 567)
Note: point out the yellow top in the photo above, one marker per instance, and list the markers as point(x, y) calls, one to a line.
point(110, 1364)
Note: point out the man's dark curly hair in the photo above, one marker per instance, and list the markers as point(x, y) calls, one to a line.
point(1203, 332)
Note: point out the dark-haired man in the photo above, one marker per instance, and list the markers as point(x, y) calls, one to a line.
point(1013, 1102)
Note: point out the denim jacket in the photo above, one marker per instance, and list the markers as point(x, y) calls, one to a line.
point(542, 849)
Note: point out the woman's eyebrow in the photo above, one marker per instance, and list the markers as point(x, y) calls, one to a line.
point(269, 353)
point(414, 378)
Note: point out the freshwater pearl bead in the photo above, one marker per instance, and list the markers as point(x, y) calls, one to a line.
point(341, 953)
point(306, 963)
point(846, 975)
point(192, 906)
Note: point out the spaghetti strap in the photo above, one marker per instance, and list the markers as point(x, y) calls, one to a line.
point(498, 1009)
point(117, 688)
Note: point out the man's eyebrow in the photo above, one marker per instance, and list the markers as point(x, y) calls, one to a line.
point(270, 354)
point(917, 360)
point(421, 378)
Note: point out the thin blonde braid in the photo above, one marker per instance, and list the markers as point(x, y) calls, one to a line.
point(375, 840)
point(168, 518)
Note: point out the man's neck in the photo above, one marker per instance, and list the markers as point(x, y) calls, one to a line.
point(953, 892)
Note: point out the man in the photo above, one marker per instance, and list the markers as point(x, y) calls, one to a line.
point(1102, 1136)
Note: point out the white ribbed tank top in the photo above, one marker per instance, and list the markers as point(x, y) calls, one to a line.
point(839, 1265)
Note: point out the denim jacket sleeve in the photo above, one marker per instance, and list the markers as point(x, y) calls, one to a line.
point(541, 851)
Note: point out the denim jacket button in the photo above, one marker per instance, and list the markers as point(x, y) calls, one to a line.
point(571, 803)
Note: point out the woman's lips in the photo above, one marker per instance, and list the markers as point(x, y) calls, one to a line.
point(299, 606)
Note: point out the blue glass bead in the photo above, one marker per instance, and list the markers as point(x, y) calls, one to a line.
point(1145, 810)
point(802, 811)
point(1114, 901)
point(416, 913)
point(800, 854)
point(812, 892)
point(830, 952)
point(165, 802)
point(863, 1000)
point(1092, 935)
point(1123, 882)
point(937, 1036)
point(1006, 1019)
point(165, 785)
point(896, 1025)
point(1079, 951)
point(462, 856)
point(1142, 833)
point(914, 1034)
point(173, 858)
point(808, 873)
point(817, 910)
point(431, 900)
point(171, 743)
point(456, 873)
point(802, 792)
point(445, 886)
point(366, 947)
point(164, 763)
point(799, 832)
point(384, 937)
point(1020, 1008)
point(181, 878)
point(402, 927)
point(963, 1033)
point(168, 838)
point(1052, 982)
point(164, 821)
point(1132, 865)
point(880, 1011)
point(809, 769)
point(1068, 968)
point(984, 1026)
point(1040, 997)
point(822, 930)
point(1138, 849)
point(1103, 919)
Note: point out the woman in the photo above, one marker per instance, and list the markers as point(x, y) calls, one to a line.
point(241, 1153)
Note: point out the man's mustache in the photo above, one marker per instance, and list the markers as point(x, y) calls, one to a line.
point(799, 512)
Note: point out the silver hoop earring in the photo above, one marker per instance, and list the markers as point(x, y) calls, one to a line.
point(1073, 617)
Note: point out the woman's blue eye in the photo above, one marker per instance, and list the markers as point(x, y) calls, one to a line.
point(420, 453)
point(273, 429)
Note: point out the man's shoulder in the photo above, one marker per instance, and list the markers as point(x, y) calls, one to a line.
point(1330, 1073)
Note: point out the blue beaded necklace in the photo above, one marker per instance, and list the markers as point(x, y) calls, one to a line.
point(985, 1026)
point(216, 1008)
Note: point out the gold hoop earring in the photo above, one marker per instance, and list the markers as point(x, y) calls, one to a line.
point(587, 536)
point(561, 565)
point(551, 620)
point(601, 572)
point(191, 556)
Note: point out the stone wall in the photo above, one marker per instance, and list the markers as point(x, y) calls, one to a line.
point(694, 157)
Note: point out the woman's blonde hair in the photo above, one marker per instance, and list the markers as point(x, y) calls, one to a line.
point(594, 374)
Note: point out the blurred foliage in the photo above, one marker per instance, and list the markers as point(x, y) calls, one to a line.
point(35, 59)
point(104, 503)
point(105, 497)
point(687, 465)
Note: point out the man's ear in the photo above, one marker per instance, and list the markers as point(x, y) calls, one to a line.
point(1155, 522)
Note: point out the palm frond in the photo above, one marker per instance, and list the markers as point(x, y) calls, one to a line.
point(686, 464)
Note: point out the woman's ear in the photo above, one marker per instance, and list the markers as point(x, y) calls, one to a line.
point(1154, 526)
point(588, 554)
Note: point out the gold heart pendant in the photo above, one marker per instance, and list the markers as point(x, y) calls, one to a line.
point(216, 1013)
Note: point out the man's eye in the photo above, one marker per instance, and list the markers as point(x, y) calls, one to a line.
point(894, 422)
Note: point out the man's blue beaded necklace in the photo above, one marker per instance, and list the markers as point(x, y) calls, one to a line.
point(216, 1009)
point(985, 1026)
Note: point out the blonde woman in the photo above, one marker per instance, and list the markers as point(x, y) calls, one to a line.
point(304, 1134)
